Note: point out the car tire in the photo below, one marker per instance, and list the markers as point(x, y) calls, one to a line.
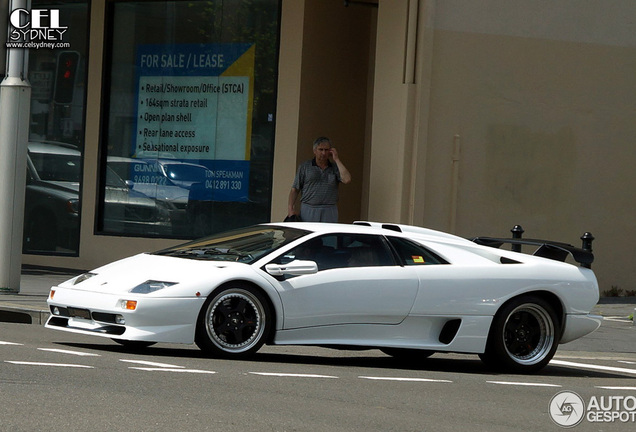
point(234, 322)
point(524, 336)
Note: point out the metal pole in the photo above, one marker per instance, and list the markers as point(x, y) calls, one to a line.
point(4, 31)
point(517, 231)
point(586, 244)
point(15, 99)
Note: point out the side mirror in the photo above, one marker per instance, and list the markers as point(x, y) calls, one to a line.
point(294, 268)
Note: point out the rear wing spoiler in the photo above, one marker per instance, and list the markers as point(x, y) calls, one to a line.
point(546, 249)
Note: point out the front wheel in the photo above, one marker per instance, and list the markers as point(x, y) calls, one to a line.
point(234, 322)
point(524, 336)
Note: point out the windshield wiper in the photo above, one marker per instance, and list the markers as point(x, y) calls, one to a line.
point(203, 253)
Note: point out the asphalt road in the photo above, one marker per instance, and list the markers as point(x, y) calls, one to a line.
point(52, 380)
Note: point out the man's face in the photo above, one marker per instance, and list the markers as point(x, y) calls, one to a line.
point(322, 152)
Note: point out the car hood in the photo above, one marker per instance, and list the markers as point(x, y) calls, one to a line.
point(124, 275)
point(63, 186)
point(34, 192)
point(74, 186)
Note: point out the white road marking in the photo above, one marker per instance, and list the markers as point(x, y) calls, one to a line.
point(9, 343)
point(526, 384)
point(61, 351)
point(590, 357)
point(616, 388)
point(163, 369)
point(148, 363)
point(292, 375)
point(404, 379)
point(49, 364)
point(594, 367)
point(617, 319)
point(626, 362)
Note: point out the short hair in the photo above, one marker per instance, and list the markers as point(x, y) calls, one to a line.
point(321, 140)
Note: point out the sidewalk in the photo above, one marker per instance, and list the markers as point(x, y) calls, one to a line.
point(29, 305)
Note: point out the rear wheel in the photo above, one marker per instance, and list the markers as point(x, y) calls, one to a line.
point(524, 335)
point(234, 321)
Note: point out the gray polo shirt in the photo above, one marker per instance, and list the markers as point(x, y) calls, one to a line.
point(317, 186)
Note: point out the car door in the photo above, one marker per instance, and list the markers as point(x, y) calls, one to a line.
point(358, 282)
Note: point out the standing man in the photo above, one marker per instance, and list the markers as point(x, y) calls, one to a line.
point(317, 182)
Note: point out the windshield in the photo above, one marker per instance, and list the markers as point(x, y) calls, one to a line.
point(186, 173)
point(57, 167)
point(244, 245)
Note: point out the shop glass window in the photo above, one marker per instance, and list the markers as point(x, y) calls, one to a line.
point(57, 74)
point(189, 116)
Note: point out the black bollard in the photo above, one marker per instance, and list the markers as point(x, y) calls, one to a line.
point(517, 232)
point(586, 244)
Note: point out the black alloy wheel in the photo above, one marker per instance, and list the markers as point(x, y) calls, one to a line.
point(234, 322)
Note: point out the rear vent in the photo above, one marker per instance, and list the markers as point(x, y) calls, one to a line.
point(362, 223)
point(449, 331)
point(392, 227)
point(505, 260)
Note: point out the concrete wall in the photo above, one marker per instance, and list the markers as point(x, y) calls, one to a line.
point(333, 91)
point(523, 114)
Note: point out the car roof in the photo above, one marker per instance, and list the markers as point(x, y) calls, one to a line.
point(365, 227)
point(151, 160)
point(53, 147)
point(125, 159)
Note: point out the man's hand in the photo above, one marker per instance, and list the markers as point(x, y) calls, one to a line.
point(334, 154)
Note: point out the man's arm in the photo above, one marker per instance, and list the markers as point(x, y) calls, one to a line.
point(291, 202)
point(345, 175)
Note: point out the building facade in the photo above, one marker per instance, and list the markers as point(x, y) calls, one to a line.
point(185, 118)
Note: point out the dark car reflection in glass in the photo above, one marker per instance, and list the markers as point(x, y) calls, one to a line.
point(168, 181)
point(52, 204)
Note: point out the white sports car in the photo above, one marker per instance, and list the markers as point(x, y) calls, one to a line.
point(406, 290)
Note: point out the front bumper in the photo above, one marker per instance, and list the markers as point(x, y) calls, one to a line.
point(155, 319)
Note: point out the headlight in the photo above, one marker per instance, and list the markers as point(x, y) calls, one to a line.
point(81, 278)
point(151, 286)
point(73, 206)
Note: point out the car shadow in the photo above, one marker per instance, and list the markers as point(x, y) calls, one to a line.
point(438, 362)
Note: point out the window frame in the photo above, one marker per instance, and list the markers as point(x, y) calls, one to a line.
point(438, 260)
point(256, 209)
point(381, 241)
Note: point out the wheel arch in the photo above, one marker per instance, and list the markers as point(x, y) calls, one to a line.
point(274, 306)
point(547, 296)
point(497, 352)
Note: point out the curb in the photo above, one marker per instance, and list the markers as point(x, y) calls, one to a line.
point(23, 314)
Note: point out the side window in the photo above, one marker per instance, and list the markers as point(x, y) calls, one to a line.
point(411, 253)
point(342, 250)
